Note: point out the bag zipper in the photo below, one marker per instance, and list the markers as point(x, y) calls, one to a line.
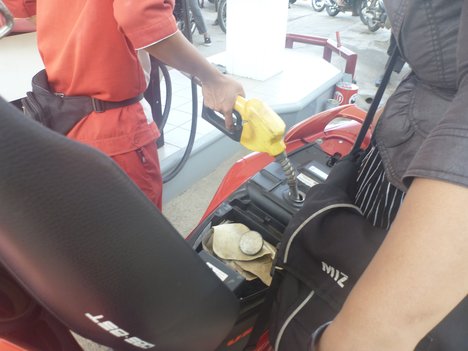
point(35, 107)
point(290, 318)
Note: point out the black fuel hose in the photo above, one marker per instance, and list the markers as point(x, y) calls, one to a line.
point(193, 129)
point(167, 105)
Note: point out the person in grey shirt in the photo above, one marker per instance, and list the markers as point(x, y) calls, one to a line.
point(420, 146)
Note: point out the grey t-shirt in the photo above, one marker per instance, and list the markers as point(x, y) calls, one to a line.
point(423, 131)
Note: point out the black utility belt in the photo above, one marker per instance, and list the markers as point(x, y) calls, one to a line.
point(61, 113)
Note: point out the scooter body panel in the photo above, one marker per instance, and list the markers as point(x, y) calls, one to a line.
point(254, 192)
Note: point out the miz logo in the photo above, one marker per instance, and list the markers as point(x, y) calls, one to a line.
point(338, 276)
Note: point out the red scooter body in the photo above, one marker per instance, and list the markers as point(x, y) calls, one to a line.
point(252, 193)
point(335, 139)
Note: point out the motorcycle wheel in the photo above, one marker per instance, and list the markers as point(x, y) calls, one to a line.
point(222, 8)
point(181, 24)
point(373, 25)
point(365, 6)
point(333, 10)
point(318, 5)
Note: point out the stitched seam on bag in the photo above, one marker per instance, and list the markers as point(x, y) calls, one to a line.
point(291, 316)
point(311, 217)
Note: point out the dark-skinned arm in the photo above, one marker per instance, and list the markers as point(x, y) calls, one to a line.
point(219, 91)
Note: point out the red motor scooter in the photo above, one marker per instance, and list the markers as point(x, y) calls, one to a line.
point(82, 249)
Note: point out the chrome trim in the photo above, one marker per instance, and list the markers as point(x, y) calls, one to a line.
point(8, 17)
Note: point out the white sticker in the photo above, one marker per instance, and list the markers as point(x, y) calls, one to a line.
point(319, 173)
point(221, 275)
point(306, 180)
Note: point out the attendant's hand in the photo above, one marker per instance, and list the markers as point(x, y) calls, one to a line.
point(220, 94)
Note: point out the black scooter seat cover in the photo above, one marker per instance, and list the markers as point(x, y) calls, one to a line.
point(83, 240)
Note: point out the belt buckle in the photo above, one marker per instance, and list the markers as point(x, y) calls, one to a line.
point(97, 105)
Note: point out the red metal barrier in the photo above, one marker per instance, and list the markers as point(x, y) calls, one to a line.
point(329, 47)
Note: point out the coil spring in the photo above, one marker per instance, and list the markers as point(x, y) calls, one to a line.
point(290, 173)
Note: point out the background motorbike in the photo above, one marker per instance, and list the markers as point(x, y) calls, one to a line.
point(179, 14)
point(334, 8)
point(373, 14)
point(318, 5)
point(221, 19)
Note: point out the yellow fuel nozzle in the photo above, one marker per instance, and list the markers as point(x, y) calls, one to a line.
point(263, 131)
point(262, 128)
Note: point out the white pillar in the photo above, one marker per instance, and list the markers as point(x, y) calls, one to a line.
point(256, 33)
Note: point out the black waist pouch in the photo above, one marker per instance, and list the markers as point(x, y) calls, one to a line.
point(60, 113)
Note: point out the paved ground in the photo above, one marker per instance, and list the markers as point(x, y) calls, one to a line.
point(185, 211)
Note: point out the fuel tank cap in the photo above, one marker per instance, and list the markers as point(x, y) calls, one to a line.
point(251, 243)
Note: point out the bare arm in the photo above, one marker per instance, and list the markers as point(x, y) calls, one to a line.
point(398, 299)
point(219, 91)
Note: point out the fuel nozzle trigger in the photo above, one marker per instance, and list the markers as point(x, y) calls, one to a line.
point(218, 121)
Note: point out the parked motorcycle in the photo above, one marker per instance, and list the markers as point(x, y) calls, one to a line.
point(181, 20)
point(221, 19)
point(335, 7)
point(373, 14)
point(318, 5)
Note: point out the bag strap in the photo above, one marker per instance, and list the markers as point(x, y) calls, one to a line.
point(100, 106)
point(375, 103)
point(264, 315)
point(40, 84)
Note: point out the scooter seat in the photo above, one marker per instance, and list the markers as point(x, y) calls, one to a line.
point(85, 242)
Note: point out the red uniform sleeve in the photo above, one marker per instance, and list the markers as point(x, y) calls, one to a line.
point(21, 8)
point(145, 22)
